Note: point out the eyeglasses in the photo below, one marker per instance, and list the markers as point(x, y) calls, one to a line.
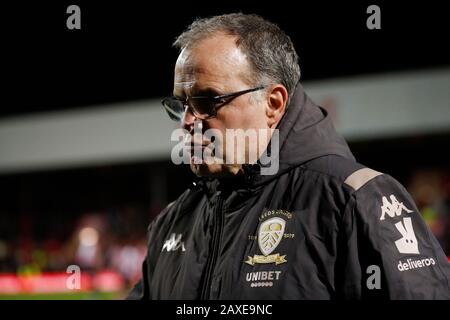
point(203, 107)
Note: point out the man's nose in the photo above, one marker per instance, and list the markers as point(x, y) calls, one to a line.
point(188, 120)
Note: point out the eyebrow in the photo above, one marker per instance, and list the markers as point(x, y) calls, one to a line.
point(201, 92)
point(206, 92)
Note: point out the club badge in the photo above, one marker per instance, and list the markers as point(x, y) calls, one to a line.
point(270, 234)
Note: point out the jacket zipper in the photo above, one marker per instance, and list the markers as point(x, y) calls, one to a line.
point(212, 257)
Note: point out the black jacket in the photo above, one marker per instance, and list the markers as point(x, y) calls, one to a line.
point(323, 227)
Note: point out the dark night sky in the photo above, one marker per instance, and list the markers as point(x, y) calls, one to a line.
point(123, 51)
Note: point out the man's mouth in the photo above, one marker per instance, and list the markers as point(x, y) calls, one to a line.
point(196, 146)
point(197, 151)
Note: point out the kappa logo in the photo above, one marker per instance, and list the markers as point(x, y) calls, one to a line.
point(393, 208)
point(173, 243)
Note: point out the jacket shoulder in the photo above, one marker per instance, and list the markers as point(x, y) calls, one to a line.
point(344, 170)
point(361, 177)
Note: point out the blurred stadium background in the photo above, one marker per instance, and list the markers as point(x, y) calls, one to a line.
point(85, 145)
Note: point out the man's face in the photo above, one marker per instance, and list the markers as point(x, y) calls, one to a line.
point(216, 66)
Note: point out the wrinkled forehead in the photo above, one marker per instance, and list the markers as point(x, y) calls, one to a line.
point(216, 62)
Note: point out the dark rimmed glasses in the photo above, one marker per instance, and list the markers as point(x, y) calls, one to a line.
point(202, 107)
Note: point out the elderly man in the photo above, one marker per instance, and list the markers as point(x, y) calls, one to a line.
point(319, 226)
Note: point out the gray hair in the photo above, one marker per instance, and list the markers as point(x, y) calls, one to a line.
point(270, 51)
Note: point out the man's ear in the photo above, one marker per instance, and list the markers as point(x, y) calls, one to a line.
point(276, 105)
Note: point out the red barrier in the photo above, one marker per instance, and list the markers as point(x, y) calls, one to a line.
point(57, 282)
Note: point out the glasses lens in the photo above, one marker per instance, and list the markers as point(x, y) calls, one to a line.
point(174, 108)
point(202, 107)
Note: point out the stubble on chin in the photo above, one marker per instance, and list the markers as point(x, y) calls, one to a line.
point(217, 170)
